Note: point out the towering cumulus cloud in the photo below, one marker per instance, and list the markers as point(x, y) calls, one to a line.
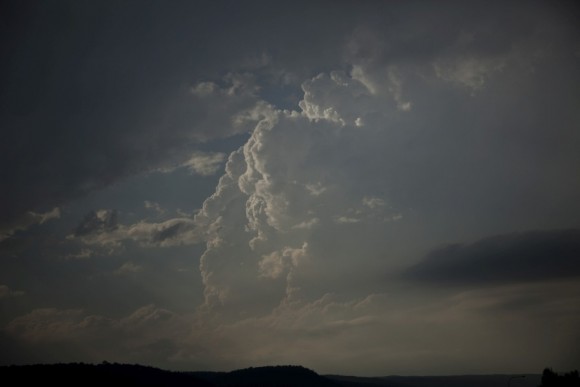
point(287, 192)
point(405, 150)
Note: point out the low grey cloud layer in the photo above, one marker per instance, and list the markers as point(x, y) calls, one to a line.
point(529, 256)
point(339, 144)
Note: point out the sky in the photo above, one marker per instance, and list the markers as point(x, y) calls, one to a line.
point(358, 187)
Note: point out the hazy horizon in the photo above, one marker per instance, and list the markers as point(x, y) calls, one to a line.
point(358, 187)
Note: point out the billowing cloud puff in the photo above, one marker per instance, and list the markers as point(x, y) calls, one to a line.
point(205, 164)
point(290, 186)
point(378, 163)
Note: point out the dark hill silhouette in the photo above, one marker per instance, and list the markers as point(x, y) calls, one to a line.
point(79, 374)
point(274, 376)
point(552, 379)
point(76, 374)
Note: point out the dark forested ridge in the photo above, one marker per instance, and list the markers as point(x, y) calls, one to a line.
point(79, 374)
point(281, 376)
point(125, 375)
point(552, 379)
point(275, 376)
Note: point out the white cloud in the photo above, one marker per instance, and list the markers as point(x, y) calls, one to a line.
point(471, 72)
point(128, 268)
point(396, 89)
point(290, 181)
point(101, 228)
point(385, 84)
point(82, 254)
point(337, 98)
point(154, 206)
point(373, 202)
point(53, 214)
point(272, 265)
point(308, 224)
point(200, 163)
point(229, 109)
point(346, 220)
point(462, 64)
point(204, 163)
point(316, 189)
point(276, 263)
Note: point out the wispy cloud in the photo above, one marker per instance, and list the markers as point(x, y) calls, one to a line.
point(128, 268)
point(204, 163)
point(101, 228)
point(28, 220)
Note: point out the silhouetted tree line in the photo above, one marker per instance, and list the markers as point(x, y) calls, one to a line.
point(89, 375)
point(271, 376)
point(552, 379)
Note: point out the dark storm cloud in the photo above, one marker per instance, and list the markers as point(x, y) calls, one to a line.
point(92, 93)
point(517, 257)
point(73, 82)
